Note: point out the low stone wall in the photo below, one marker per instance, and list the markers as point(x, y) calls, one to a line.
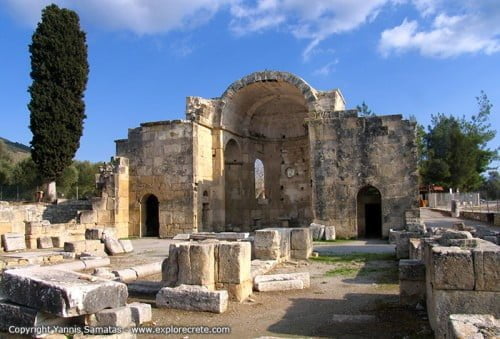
point(479, 216)
point(462, 273)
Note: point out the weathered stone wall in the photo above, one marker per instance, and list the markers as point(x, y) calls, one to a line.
point(202, 169)
point(161, 164)
point(14, 215)
point(350, 153)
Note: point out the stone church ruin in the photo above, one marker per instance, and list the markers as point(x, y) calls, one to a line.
point(271, 151)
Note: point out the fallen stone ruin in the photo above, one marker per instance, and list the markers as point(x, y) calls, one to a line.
point(198, 275)
point(205, 273)
point(455, 273)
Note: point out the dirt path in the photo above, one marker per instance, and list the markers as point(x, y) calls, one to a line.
point(436, 219)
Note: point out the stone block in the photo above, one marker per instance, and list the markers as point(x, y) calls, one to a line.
point(267, 244)
point(169, 267)
point(279, 285)
point(94, 246)
point(63, 293)
point(196, 264)
point(75, 246)
point(239, 292)
point(127, 245)
point(412, 292)
point(300, 239)
point(44, 242)
point(31, 242)
point(104, 272)
point(416, 227)
point(192, 298)
point(13, 242)
point(411, 269)
point(452, 268)
point(402, 242)
point(125, 275)
point(487, 268)
point(34, 228)
point(234, 262)
point(304, 277)
point(317, 231)
point(21, 316)
point(147, 269)
point(329, 232)
point(93, 262)
point(450, 235)
point(476, 326)
point(141, 313)
point(443, 303)
point(113, 246)
point(115, 317)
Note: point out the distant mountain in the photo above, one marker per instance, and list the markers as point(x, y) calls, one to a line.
point(17, 150)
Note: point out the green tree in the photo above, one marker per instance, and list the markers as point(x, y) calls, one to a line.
point(25, 178)
point(364, 110)
point(491, 186)
point(5, 164)
point(59, 70)
point(456, 152)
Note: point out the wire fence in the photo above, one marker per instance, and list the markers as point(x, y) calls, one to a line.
point(466, 202)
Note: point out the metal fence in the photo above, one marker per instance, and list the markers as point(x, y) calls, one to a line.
point(466, 202)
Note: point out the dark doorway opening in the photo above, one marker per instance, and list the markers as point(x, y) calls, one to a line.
point(373, 220)
point(369, 210)
point(152, 221)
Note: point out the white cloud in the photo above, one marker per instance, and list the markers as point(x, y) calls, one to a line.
point(138, 16)
point(326, 69)
point(313, 20)
point(444, 28)
point(460, 28)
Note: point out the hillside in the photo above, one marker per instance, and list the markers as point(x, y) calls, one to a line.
point(17, 150)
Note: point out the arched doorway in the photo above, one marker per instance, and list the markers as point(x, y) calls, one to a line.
point(150, 216)
point(369, 212)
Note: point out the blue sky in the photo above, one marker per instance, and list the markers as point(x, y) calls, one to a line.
point(405, 57)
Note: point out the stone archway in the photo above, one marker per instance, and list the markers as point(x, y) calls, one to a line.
point(150, 216)
point(369, 212)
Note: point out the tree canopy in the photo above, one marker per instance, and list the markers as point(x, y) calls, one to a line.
point(59, 70)
point(454, 150)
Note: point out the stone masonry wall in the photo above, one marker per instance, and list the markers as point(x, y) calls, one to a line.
point(161, 163)
point(349, 153)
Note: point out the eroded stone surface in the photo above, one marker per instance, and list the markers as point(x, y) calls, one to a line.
point(192, 298)
point(63, 293)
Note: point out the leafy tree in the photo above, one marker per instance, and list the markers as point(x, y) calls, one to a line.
point(364, 110)
point(456, 152)
point(491, 186)
point(5, 164)
point(59, 70)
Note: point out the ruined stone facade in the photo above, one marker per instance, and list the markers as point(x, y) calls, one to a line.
point(321, 163)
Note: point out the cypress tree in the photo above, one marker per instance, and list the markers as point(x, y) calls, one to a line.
point(59, 70)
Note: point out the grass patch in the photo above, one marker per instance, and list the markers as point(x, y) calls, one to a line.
point(354, 257)
point(342, 271)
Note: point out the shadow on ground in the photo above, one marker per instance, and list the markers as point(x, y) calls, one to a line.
point(355, 316)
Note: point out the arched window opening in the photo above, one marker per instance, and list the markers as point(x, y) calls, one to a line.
point(260, 186)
